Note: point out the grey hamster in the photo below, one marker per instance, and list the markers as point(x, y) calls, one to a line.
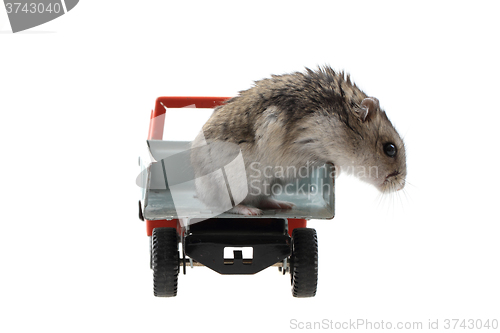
point(315, 117)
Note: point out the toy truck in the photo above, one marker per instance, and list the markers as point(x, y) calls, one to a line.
point(183, 232)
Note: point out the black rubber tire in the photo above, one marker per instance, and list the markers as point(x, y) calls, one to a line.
point(304, 262)
point(165, 261)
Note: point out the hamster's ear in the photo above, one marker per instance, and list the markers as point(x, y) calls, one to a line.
point(369, 106)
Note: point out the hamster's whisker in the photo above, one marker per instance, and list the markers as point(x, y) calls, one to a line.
point(406, 182)
point(381, 197)
point(393, 188)
point(391, 206)
point(406, 194)
point(400, 200)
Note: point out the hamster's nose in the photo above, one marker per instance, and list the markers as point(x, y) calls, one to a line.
point(393, 174)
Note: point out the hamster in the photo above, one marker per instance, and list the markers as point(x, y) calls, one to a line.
point(291, 120)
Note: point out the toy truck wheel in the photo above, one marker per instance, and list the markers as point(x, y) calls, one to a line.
point(304, 262)
point(165, 261)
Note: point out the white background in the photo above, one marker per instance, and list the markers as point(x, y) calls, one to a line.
point(75, 100)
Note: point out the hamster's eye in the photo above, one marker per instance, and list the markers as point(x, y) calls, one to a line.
point(390, 149)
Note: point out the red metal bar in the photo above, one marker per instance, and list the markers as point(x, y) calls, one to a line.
point(157, 122)
point(296, 223)
point(150, 225)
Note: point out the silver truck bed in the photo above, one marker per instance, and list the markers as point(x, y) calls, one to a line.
point(313, 197)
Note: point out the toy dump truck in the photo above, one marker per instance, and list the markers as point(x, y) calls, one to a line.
point(184, 232)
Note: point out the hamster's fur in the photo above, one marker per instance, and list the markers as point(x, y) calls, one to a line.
point(318, 116)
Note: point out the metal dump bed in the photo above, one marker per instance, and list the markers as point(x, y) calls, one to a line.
point(184, 231)
point(313, 196)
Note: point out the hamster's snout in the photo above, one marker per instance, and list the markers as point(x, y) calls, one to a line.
point(394, 181)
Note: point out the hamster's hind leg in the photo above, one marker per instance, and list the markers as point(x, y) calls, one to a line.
point(245, 210)
point(270, 203)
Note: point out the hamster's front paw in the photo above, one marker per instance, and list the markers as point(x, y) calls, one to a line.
point(245, 210)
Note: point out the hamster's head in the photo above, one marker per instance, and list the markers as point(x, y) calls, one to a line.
point(379, 152)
